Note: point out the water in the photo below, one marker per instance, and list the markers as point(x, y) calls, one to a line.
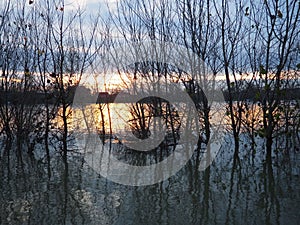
point(243, 189)
point(231, 191)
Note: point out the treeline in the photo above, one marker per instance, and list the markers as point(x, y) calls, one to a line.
point(46, 46)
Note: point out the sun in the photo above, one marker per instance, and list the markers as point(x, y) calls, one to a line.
point(110, 82)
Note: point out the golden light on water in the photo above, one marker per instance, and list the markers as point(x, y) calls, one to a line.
point(95, 117)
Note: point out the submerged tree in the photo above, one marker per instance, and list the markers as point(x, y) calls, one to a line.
point(44, 53)
point(197, 31)
point(19, 111)
point(274, 39)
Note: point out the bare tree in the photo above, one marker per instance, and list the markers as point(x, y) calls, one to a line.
point(275, 36)
point(198, 31)
point(230, 19)
point(19, 111)
point(72, 51)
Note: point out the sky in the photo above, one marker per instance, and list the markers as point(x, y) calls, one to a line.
point(91, 5)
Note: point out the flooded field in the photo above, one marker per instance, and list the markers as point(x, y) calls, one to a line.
point(234, 189)
point(149, 112)
point(237, 190)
